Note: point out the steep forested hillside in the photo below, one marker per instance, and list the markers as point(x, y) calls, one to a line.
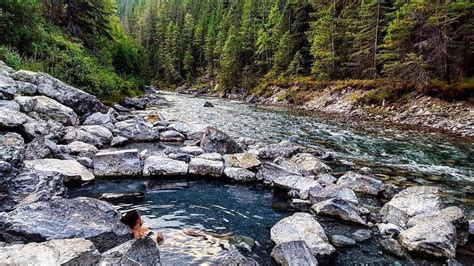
point(243, 43)
point(79, 41)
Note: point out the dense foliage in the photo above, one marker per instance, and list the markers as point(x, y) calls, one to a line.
point(79, 41)
point(241, 42)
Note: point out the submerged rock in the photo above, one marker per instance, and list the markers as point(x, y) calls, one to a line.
point(293, 253)
point(162, 166)
point(339, 209)
point(362, 235)
point(117, 163)
point(215, 140)
point(410, 202)
point(203, 167)
point(342, 241)
point(360, 183)
point(239, 174)
point(302, 227)
point(77, 251)
point(70, 169)
point(143, 251)
point(92, 219)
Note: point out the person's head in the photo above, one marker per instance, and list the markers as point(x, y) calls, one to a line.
point(132, 219)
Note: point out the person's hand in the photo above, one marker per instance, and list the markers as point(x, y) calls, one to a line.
point(159, 238)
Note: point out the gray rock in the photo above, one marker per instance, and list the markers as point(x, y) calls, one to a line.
point(101, 132)
point(118, 141)
point(87, 162)
point(333, 191)
point(7, 88)
point(117, 163)
point(92, 219)
point(360, 183)
point(184, 157)
point(12, 149)
point(388, 230)
point(410, 202)
point(162, 166)
point(73, 134)
point(392, 247)
point(12, 119)
point(137, 130)
point(239, 174)
point(192, 150)
point(50, 109)
point(26, 88)
point(215, 140)
point(284, 149)
point(471, 227)
point(204, 167)
point(107, 120)
point(436, 239)
point(242, 160)
point(12, 105)
point(213, 156)
point(388, 191)
point(37, 149)
point(338, 209)
point(451, 214)
point(208, 104)
point(293, 253)
point(362, 235)
point(32, 185)
point(81, 102)
point(26, 103)
point(76, 251)
point(143, 251)
point(325, 179)
point(366, 171)
point(269, 172)
point(70, 169)
point(82, 149)
point(302, 227)
point(306, 164)
point(5, 70)
point(172, 136)
point(299, 185)
point(342, 241)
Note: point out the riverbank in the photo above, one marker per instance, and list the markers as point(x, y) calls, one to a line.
point(394, 103)
point(55, 137)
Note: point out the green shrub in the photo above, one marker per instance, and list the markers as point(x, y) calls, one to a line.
point(11, 57)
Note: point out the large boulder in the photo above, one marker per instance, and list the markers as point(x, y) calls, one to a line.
point(100, 132)
point(299, 185)
point(162, 166)
point(117, 163)
point(12, 119)
point(48, 108)
point(302, 227)
point(338, 209)
point(269, 172)
point(293, 253)
point(245, 160)
point(204, 167)
point(434, 238)
point(26, 88)
point(283, 149)
point(240, 174)
point(76, 251)
point(12, 149)
point(107, 120)
point(70, 169)
point(306, 164)
point(137, 130)
point(33, 185)
point(89, 218)
point(81, 102)
point(332, 191)
point(451, 214)
point(143, 251)
point(12, 105)
point(361, 183)
point(410, 202)
point(215, 140)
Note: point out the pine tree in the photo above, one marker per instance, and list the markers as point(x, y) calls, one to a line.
point(296, 66)
point(230, 67)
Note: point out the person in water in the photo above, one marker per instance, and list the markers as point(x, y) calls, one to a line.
point(134, 221)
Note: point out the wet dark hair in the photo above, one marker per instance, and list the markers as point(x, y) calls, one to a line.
point(130, 218)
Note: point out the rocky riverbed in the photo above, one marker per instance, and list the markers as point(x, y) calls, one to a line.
point(55, 137)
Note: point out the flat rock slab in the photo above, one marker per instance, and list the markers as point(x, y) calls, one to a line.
point(77, 251)
point(302, 227)
point(239, 174)
point(162, 166)
point(293, 253)
point(71, 169)
point(89, 218)
point(204, 167)
point(242, 160)
point(117, 163)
